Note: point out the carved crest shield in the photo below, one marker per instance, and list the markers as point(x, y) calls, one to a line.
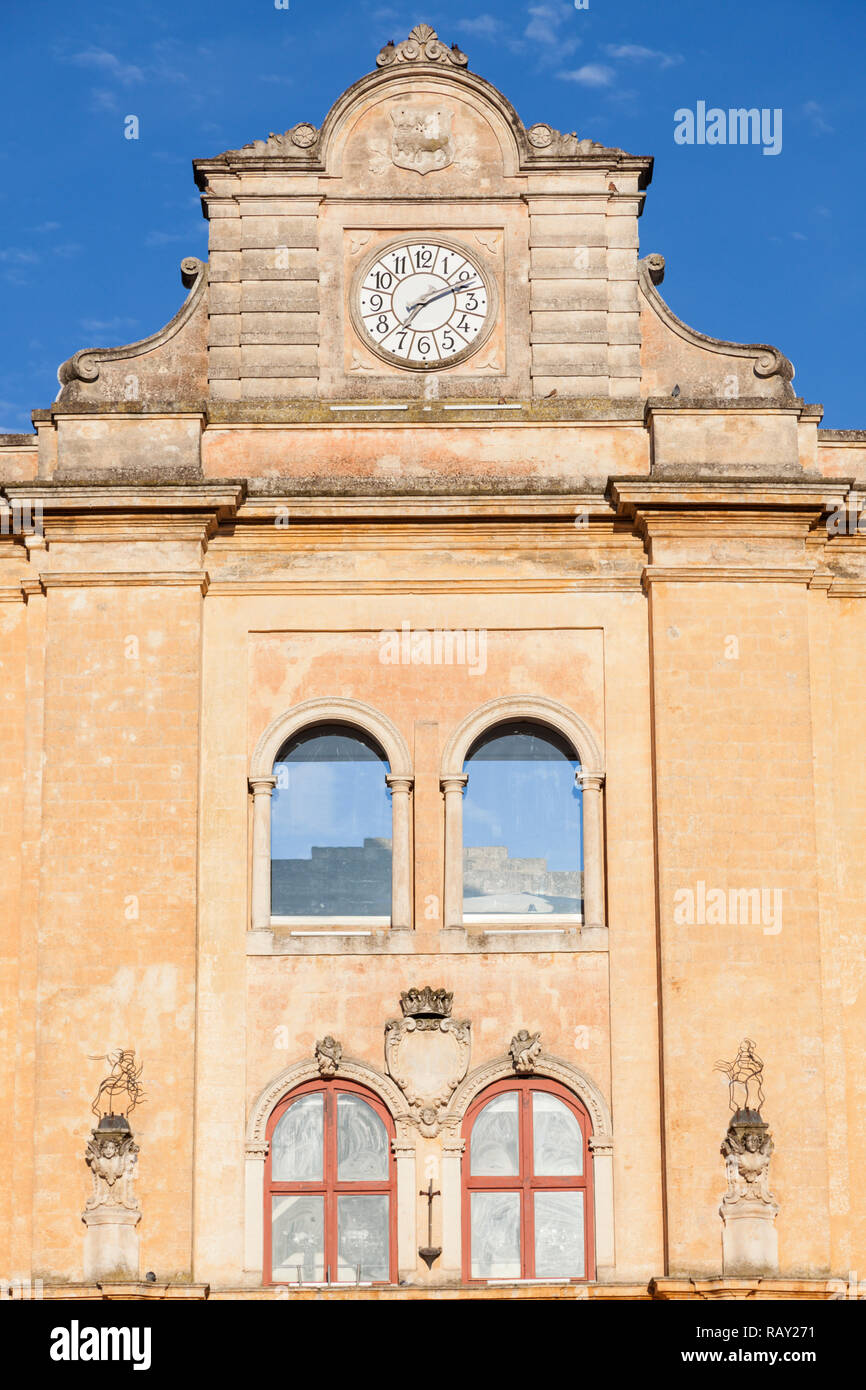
point(422, 138)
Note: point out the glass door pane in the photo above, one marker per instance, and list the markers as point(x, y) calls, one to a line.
point(362, 1237)
point(297, 1150)
point(557, 1141)
point(494, 1145)
point(495, 1221)
point(559, 1239)
point(298, 1238)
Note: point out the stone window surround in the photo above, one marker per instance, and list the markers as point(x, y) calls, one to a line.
point(400, 780)
point(589, 777)
point(405, 1144)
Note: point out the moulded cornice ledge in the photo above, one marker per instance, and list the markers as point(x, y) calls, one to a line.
point(84, 364)
point(769, 361)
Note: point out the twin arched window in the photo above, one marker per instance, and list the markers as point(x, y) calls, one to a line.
point(330, 1196)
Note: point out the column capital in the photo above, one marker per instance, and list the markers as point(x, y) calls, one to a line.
point(398, 782)
point(589, 781)
point(455, 782)
point(261, 786)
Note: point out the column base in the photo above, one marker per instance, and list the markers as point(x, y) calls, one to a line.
point(111, 1244)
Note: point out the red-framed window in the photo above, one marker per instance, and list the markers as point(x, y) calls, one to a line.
point(527, 1184)
point(330, 1184)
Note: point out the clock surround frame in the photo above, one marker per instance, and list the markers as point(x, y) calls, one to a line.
point(378, 253)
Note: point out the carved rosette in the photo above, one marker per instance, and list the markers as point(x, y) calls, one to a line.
point(422, 46)
point(427, 1053)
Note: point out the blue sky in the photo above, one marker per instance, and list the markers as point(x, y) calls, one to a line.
point(758, 248)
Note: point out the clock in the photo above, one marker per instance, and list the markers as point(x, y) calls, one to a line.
point(423, 304)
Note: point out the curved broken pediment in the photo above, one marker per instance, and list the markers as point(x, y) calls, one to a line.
point(673, 355)
point(169, 365)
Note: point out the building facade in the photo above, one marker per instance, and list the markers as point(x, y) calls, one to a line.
point(431, 682)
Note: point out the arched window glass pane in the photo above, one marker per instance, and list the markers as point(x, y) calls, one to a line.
point(557, 1141)
point(495, 1218)
point(331, 826)
point(362, 1236)
point(297, 1148)
point(523, 851)
point(494, 1148)
point(298, 1237)
point(362, 1141)
point(560, 1248)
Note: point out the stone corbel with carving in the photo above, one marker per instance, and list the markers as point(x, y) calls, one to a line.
point(329, 1054)
point(525, 1049)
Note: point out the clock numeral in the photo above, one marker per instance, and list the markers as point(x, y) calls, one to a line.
point(384, 279)
point(424, 257)
point(382, 324)
point(471, 302)
point(376, 302)
point(464, 326)
point(448, 341)
point(399, 264)
point(425, 346)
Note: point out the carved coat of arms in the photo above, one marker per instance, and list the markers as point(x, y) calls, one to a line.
point(427, 1054)
point(422, 138)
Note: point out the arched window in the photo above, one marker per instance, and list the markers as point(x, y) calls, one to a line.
point(329, 1188)
point(522, 825)
point(331, 829)
point(528, 1208)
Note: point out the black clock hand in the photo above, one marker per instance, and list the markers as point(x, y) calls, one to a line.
point(440, 294)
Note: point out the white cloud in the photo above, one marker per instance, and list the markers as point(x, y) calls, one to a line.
point(108, 63)
point(636, 53)
point(99, 327)
point(15, 255)
point(814, 111)
point(484, 26)
point(590, 75)
point(543, 30)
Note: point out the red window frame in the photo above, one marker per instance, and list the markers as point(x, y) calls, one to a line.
point(525, 1182)
point(330, 1188)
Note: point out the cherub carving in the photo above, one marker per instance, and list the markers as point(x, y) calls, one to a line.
point(525, 1049)
point(747, 1167)
point(112, 1168)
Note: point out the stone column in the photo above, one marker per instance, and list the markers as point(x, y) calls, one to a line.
point(401, 855)
point(452, 1206)
point(407, 1239)
point(591, 784)
point(111, 1213)
point(453, 787)
point(602, 1180)
point(261, 788)
point(254, 1203)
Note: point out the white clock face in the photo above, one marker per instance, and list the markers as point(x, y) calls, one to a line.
point(424, 304)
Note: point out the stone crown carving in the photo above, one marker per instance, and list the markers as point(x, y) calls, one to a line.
point(426, 1003)
point(422, 46)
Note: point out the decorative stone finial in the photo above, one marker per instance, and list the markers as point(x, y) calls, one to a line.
point(328, 1056)
point(422, 46)
point(525, 1048)
point(748, 1210)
